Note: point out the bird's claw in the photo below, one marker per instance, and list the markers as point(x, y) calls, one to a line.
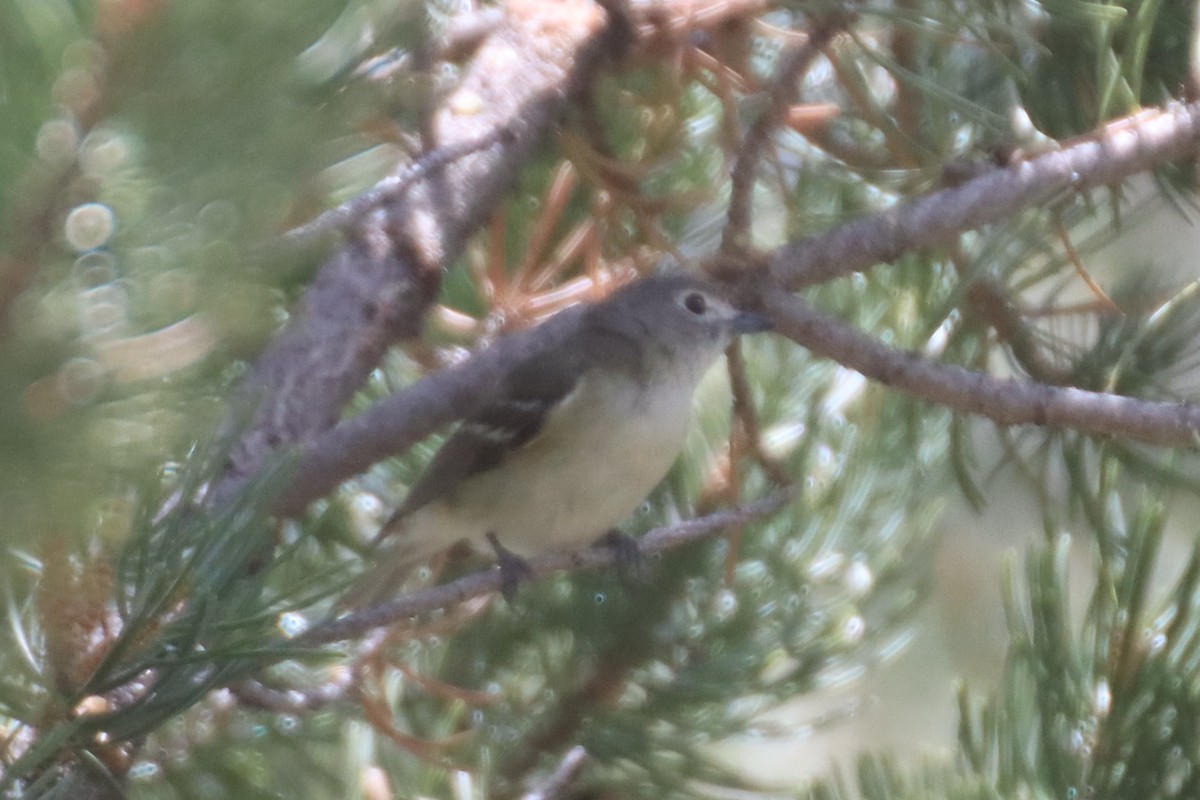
point(513, 569)
point(627, 553)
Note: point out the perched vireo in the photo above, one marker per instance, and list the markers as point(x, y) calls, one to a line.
point(575, 437)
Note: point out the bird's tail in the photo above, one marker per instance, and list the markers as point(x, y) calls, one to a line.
point(405, 542)
point(380, 582)
point(396, 554)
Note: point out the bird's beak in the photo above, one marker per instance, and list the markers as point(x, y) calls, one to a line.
point(750, 322)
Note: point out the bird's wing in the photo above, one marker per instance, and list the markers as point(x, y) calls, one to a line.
point(511, 420)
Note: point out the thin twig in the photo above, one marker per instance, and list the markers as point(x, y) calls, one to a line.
point(490, 581)
point(909, 102)
point(836, 143)
point(386, 190)
point(736, 236)
point(1064, 236)
point(744, 411)
point(989, 302)
point(750, 439)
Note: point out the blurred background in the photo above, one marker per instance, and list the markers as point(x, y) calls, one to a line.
point(902, 626)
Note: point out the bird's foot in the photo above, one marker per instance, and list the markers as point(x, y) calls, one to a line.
point(513, 568)
point(627, 553)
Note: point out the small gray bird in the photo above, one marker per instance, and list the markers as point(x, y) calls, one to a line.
point(575, 436)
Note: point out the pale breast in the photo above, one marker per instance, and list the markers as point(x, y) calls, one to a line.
point(595, 460)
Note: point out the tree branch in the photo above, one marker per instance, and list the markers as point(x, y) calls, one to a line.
point(375, 289)
point(1006, 402)
point(399, 421)
point(489, 582)
point(1122, 148)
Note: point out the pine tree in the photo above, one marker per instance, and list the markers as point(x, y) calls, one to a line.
point(247, 248)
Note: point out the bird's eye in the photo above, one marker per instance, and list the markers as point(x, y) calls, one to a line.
point(695, 303)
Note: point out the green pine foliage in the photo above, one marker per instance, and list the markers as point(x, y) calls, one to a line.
point(148, 150)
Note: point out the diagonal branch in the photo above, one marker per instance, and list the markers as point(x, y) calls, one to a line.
point(375, 289)
point(1006, 402)
point(1122, 148)
point(399, 421)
